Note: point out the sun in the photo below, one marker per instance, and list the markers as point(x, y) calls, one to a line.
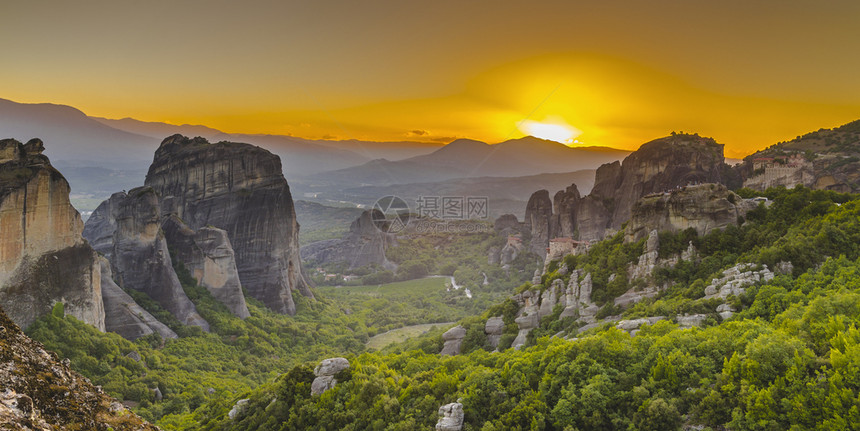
point(554, 131)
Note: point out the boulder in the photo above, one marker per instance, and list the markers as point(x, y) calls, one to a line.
point(238, 408)
point(453, 338)
point(325, 373)
point(494, 328)
point(450, 417)
point(688, 321)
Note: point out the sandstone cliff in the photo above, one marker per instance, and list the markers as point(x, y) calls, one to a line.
point(238, 188)
point(43, 258)
point(42, 393)
point(138, 252)
point(364, 244)
point(704, 207)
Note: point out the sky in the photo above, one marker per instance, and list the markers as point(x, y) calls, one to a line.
point(613, 73)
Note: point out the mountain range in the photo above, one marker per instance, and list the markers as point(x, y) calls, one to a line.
point(95, 151)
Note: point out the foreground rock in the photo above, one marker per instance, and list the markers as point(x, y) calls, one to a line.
point(241, 189)
point(138, 251)
point(43, 258)
point(363, 245)
point(325, 373)
point(450, 417)
point(39, 392)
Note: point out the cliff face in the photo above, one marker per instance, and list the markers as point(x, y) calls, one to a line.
point(210, 258)
point(238, 188)
point(703, 207)
point(123, 315)
point(43, 259)
point(657, 166)
point(662, 165)
point(364, 244)
point(538, 221)
point(138, 251)
point(42, 393)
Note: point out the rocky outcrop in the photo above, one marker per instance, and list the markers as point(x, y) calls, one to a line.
point(703, 207)
point(43, 258)
point(209, 257)
point(494, 328)
point(138, 250)
point(665, 164)
point(528, 317)
point(632, 326)
point(325, 374)
point(453, 339)
point(538, 221)
point(578, 298)
point(658, 166)
point(735, 279)
point(241, 189)
point(238, 408)
point(40, 392)
point(565, 206)
point(363, 245)
point(450, 417)
point(688, 321)
point(123, 315)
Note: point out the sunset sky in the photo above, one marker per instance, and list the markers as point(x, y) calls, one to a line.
point(614, 73)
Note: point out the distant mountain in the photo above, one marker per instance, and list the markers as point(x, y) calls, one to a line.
point(465, 158)
point(72, 138)
point(300, 157)
point(158, 130)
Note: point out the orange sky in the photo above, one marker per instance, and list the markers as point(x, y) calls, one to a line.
point(621, 72)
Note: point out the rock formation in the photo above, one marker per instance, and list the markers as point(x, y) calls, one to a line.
point(42, 393)
point(735, 279)
point(494, 328)
point(539, 221)
point(241, 189)
point(138, 251)
point(123, 315)
point(450, 417)
point(363, 245)
point(209, 257)
point(658, 166)
point(43, 258)
point(703, 207)
point(528, 317)
point(453, 338)
point(578, 298)
point(325, 373)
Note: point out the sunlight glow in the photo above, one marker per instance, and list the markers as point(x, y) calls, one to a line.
point(553, 131)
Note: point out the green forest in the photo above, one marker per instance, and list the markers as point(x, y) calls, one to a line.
point(788, 359)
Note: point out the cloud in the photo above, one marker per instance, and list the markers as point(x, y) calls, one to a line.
point(417, 132)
